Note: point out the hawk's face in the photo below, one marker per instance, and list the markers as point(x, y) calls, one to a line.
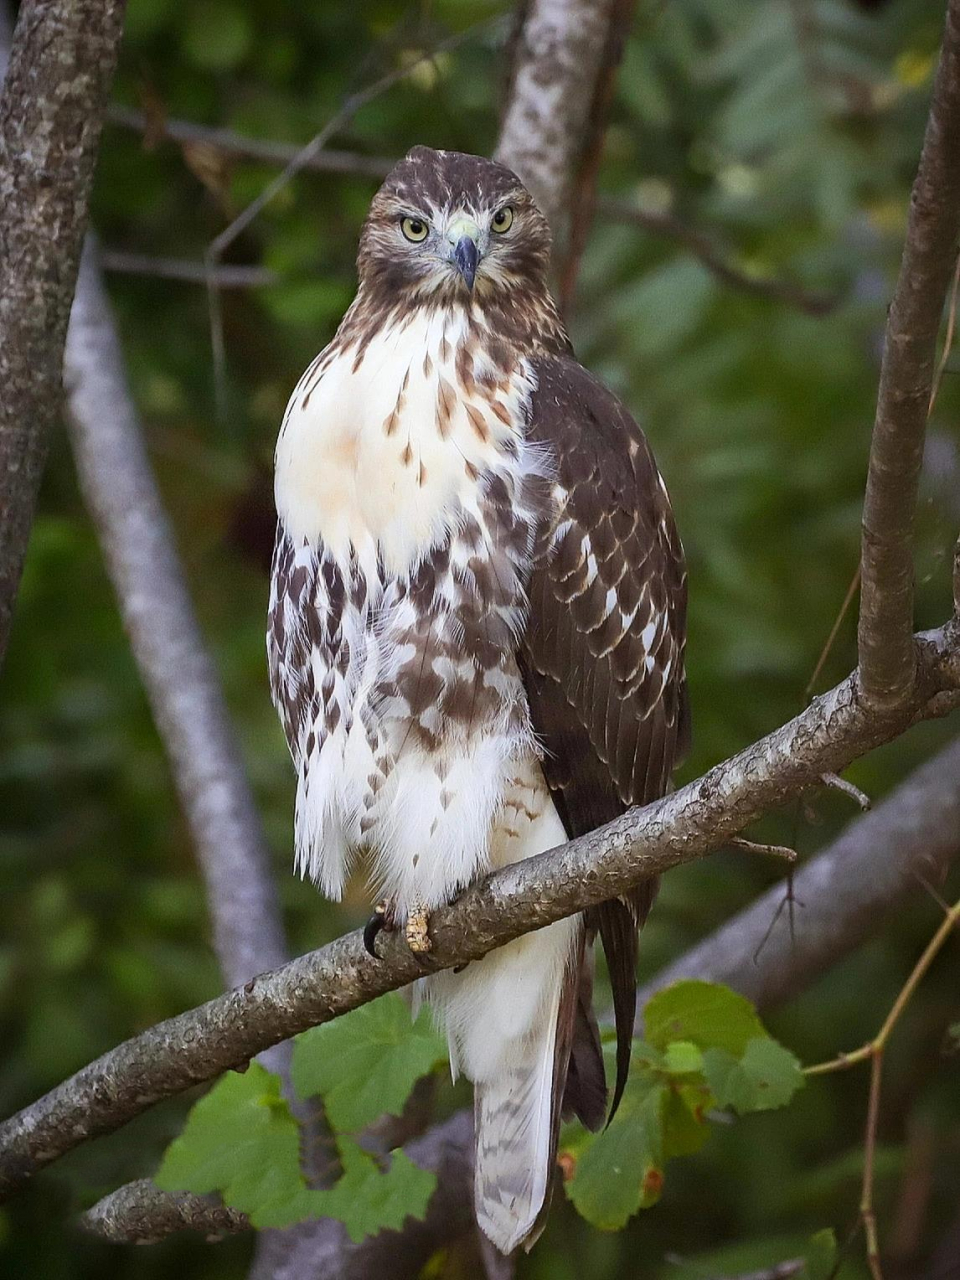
point(445, 226)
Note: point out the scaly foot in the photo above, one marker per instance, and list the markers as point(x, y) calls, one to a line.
point(417, 931)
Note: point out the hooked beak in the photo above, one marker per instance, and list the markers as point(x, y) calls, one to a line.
point(466, 256)
point(463, 235)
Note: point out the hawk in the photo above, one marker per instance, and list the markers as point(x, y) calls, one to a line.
point(476, 636)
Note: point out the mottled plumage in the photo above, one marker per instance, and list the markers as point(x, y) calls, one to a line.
point(476, 633)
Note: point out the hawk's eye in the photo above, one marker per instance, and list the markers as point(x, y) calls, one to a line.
point(414, 229)
point(502, 220)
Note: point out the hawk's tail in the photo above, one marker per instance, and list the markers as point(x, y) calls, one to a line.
point(518, 1106)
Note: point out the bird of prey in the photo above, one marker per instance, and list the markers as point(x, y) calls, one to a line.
point(476, 635)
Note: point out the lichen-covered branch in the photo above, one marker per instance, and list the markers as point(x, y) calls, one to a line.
point(886, 595)
point(196, 1046)
point(140, 1213)
point(558, 57)
point(51, 111)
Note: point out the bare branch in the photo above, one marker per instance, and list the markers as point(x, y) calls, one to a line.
point(315, 988)
point(226, 276)
point(141, 1213)
point(52, 105)
point(180, 678)
point(264, 150)
point(843, 895)
point(835, 783)
point(886, 654)
point(558, 58)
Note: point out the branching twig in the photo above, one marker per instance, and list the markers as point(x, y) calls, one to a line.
point(873, 1052)
point(886, 653)
point(241, 145)
point(836, 783)
point(227, 1031)
point(848, 891)
point(228, 276)
point(353, 103)
point(49, 134)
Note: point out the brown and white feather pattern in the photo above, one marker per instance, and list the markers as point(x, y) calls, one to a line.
point(475, 637)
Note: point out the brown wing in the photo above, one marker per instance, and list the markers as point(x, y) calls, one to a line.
point(603, 654)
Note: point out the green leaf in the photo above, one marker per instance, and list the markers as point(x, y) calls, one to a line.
point(620, 1169)
point(684, 1130)
point(365, 1063)
point(821, 1256)
point(767, 1076)
point(706, 1015)
point(682, 1058)
point(242, 1141)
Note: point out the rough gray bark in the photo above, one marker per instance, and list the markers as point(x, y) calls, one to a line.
point(51, 111)
point(906, 375)
point(196, 1046)
point(141, 1213)
point(559, 54)
point(843, 895)
point(175, 665)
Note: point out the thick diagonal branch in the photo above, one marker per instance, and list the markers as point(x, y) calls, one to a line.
point(51, 111)
point(886, 594)
point(196, 1046)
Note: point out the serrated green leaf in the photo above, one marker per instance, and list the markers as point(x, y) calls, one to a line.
point(765, 1077)
point(703, 1013)
point(620, 1169)
point(242, 1141)
point(682, 1058)
point(365, 1063)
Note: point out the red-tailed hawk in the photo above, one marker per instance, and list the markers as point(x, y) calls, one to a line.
point(476, 634)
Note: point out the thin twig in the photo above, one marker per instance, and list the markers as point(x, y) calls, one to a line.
point(243, 147)
point(834, 630)
point(228, 276)
point(781, 851)
point(836, 783)
point(352, 104)
point(874, 1051)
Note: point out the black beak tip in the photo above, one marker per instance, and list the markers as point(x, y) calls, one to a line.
point(466, 257)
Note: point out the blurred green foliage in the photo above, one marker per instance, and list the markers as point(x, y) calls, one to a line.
point(789, 131)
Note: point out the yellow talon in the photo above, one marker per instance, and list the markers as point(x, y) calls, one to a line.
point(417, 931)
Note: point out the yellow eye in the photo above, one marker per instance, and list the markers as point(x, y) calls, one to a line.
point(414, 229)
point(502, 220)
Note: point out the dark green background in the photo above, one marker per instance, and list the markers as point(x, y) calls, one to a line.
point(799, 153)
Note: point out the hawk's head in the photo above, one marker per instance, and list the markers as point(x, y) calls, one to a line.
point(446, 225)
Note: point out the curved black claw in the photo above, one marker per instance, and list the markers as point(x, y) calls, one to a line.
point(370, 930)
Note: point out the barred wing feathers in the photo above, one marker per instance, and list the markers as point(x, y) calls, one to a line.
point(603, 654)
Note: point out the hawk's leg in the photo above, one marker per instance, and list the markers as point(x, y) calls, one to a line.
point(384, 917)
point(417, 931)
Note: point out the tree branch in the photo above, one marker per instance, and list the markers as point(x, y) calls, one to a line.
point(906, 376)
point(842, 895)
point(264, 150)
point(140, 1213)
point(195, 1046)
point(176, 667)
point(559, 56)
point(226, 276)
point(51, 110)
